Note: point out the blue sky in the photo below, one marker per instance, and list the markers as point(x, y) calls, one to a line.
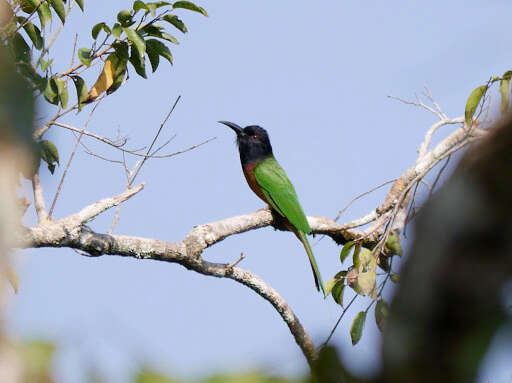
point(317, 76)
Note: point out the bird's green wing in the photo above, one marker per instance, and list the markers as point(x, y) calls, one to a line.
point(280, 193)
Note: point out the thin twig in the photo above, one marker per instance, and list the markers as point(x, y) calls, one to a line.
point(77, 143)
point(155, 138)
point(229, 268)
point(345, 309)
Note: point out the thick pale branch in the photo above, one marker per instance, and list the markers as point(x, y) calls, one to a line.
point(70, 232)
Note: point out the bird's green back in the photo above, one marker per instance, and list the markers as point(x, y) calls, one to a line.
point(281, 195)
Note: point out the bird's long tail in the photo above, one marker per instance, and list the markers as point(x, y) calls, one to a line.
point(316, 272)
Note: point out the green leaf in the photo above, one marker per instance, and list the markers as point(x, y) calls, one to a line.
point(119, 75)
point(45, 64)
point(81, 90)
point(33, 32)
point(472, 103)
point(137, 41)
point(367, 272)
point(121, 49)
point(160, 49)
point(138, 62)
point(45, 15)
point(329, 285)
point(356, 330)
point(337, 292)
point(381, 313)
point(394, 278)
point(58, 7)
point(19, 48)
point(51, 92)
point(49, 154)
point(345, 251)
point(84, 55)
point(63, 92)
point(171, 38)
point(154, 57)
point(97, 28)
point(190, 6)
point(29, 6)
point(125, 18)
point(504, 92)
point(174, 20)
point(80, 4)
point(393, 243)
point(138, 5)
point(27, 70)
point(117, 30)
point(355, 256)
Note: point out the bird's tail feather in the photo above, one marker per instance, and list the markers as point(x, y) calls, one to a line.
point(316, 272)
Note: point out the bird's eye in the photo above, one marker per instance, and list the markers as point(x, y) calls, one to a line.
point(255, 137)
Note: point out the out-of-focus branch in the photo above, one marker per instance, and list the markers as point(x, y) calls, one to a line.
point(39, 203)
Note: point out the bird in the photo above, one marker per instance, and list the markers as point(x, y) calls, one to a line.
point(268, 180)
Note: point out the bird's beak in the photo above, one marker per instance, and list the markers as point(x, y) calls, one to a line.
point(238, 130)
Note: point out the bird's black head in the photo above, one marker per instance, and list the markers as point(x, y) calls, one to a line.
point(253, 142)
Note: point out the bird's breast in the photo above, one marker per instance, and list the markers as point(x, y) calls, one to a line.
point(251, 180)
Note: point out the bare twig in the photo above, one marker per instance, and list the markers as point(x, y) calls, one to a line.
point(59, 188)
point(154, 139)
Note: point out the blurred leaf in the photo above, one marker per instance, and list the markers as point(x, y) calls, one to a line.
point(45, 64)
point(381, 313)
point(84, 55)
point(149, 376)
point(81, 90)
point(117, 30)
point(159, 48)
point(45, 15)
point(27, 70)
point(394, 278)
point(138, 63)
point(33, 32)
point(356, 330)
point(19, 48)
point(175, 20)
point(190, 6)
point(105, 79)
point(137, 41)
point(63, 92)
point(97, 28)
point(345, 251)
point(393, 243)
point(337, 292)
point(49, 154)
point(12, 277)
point(51, 92)
point(58, 7)
point(472, 103)
point(80, 4)
point(37, 362)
